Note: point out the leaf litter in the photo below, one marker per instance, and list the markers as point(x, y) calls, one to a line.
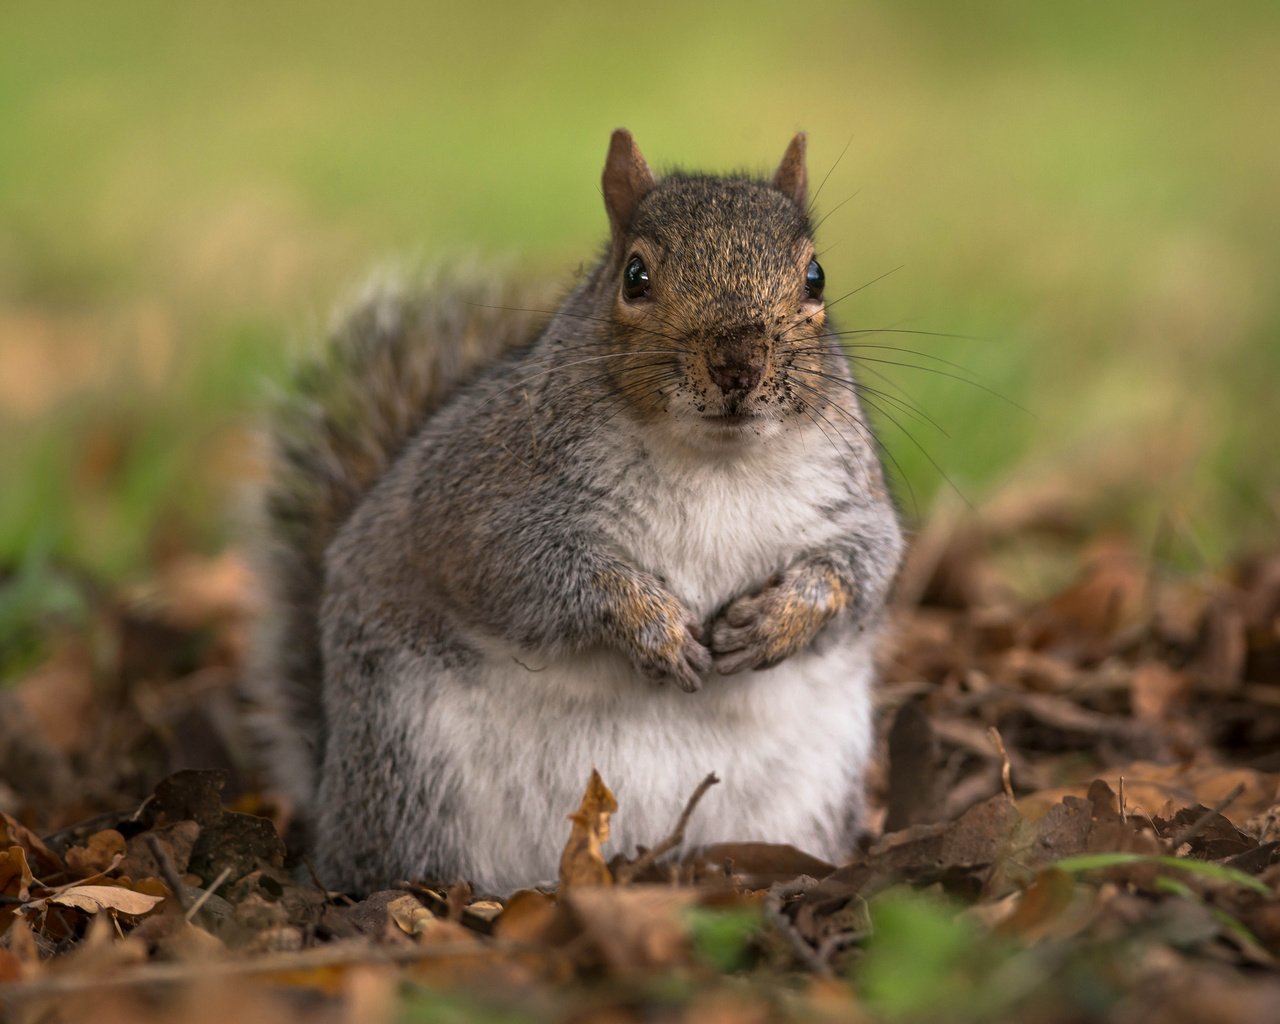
point(1076, 817)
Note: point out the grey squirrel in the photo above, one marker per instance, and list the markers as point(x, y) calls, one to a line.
point(652, 538)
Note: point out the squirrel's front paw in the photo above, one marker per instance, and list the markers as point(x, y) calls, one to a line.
point(761, 629)
point(670, 647)
point(656, 631)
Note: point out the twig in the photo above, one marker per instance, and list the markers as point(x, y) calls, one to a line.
point(315, 877)
point(1192, 830)
point(1124, 817)
point(647, 859)
point(170, 873)
point(204, 896)
point(774, 915)
point(1006, 777)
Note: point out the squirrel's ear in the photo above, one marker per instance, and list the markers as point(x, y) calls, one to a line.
point(791, 177)
point(627, 179)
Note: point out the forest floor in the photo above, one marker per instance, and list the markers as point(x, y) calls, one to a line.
point(1077, 817)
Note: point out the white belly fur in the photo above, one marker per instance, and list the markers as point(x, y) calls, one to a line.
point(785, 743)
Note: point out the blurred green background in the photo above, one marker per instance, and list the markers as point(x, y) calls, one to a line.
point(1090, 192)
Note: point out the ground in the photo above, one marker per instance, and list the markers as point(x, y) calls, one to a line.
point(1077, 818)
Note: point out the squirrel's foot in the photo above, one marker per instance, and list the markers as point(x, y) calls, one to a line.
point(761, 629)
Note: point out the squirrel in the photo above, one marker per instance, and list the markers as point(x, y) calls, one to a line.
point(653, 537)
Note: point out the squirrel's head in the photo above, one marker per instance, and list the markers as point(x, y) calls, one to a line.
point(715, 297)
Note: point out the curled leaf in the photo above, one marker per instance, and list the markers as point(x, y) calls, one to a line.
point(582, 862)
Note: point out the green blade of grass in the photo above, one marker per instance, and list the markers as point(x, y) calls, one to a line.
point(1218, 872)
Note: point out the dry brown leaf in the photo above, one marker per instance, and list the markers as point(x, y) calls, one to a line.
point(582, 862)
point(172, 937)
point(15, 882)
point(95, 898)
point(409, 915)
point(11, 969)
point(758, 865)
point(485, 910)
point(1109, 596)
point(1040, 906)
point(1151, 788)
point(528, 917)
point(15, 874)
point(175, 840)
point(914, 760)
point(636, 928)
point(1224, 646)
point(59, 698)
point(97, 855)
point(43, 861)
point(1157, 689)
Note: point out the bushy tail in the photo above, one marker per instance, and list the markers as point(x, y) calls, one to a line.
point(388, 364)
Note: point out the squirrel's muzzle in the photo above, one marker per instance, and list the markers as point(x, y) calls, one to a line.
point(737, 361)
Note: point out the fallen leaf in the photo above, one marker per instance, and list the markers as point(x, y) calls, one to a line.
point(43, 861)
point(95, 898)
point(1110, 595)
point(409, 915)
point(1150, 787)
point(757, 865)
point(1040, 905)
point(15, 873)
point(913, 770)
point(10, 968)
point(634, 929)
point(1157, 689)
point(528, 917)
point(582, 862)
point(97, 855)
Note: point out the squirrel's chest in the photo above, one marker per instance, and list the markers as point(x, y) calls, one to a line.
point(712, 531)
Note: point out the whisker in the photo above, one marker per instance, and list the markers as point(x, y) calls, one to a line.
point(858, 388)
point(923, 451)
point(632, 397)
point(943, 373)
point(813, 199)
point(888, 382)
point(863, 428)
point(582, 384)
point(863, 287)
point(862, 359)
point(812, 413)
point(573, 362)
point(571, 387)
point(883, 450)
point(856, 422)
point(893, 329)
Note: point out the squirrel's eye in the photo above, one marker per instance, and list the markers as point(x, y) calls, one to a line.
point(814, 279)
point(635, 279)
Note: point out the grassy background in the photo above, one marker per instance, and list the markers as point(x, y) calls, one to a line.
point(1092, 191)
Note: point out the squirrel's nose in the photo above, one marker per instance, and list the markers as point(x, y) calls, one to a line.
point(735, 375)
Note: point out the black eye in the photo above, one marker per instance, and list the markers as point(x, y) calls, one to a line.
point(635, 279)
point(814, 279)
